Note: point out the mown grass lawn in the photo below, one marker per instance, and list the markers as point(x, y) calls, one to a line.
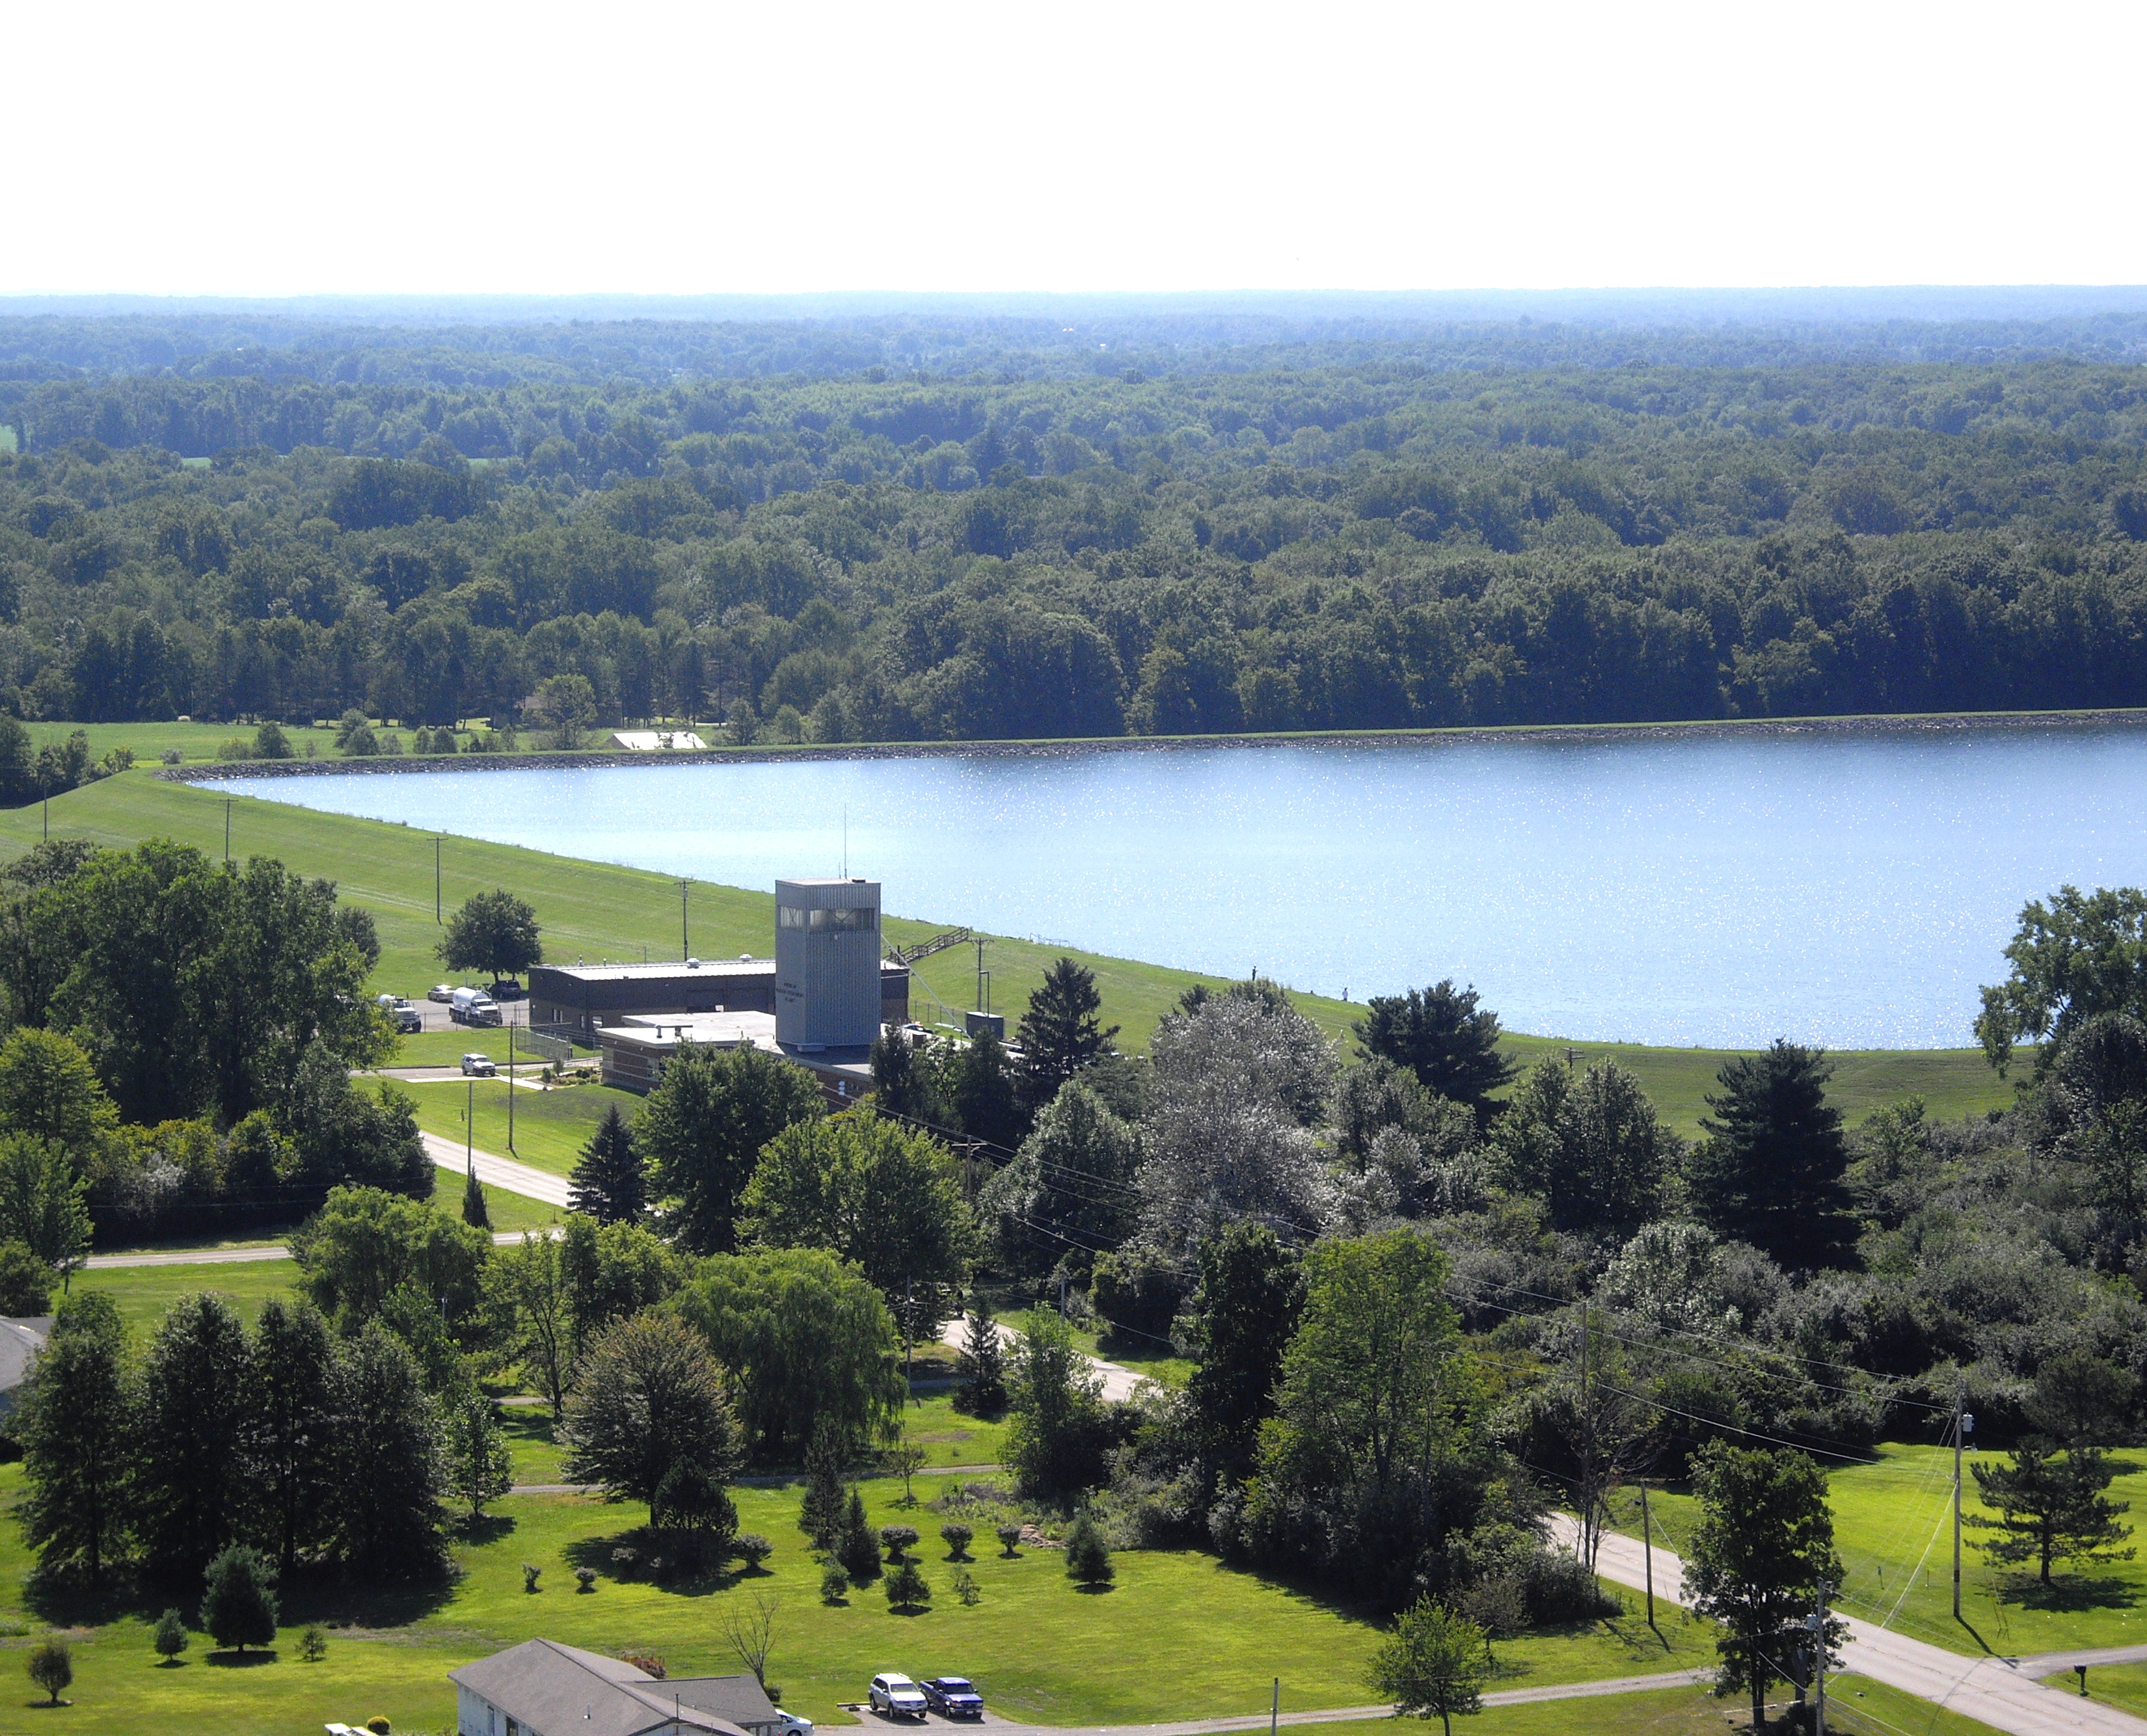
point(597, 910)
point(1179, 1635)
point(1893, 1528)
point(2122, 1685)
point(550, 1127)
point(142, 1293)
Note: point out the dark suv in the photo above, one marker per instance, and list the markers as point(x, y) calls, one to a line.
point(953, 1697)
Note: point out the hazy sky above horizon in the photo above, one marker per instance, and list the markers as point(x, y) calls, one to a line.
point(235, 148)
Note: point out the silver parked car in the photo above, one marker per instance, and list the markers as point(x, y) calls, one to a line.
point(479, 1067)
point(896, 1695)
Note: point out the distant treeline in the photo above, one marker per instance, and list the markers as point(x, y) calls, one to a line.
point(1379, 544)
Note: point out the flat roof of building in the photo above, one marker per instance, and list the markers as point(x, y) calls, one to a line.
point(677, 968)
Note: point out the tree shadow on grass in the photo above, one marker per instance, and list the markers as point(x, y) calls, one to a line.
point(689, 1566)
point(2067, 1593)
point(1094, 1591)
point(487, 1528)
point(243, 1660)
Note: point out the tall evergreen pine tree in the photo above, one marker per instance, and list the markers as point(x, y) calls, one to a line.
point(1770, 1171)
point(1060, 1032)
point(475, 1213)
point(609, 1184)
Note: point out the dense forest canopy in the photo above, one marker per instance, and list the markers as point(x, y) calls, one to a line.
point(926, 524)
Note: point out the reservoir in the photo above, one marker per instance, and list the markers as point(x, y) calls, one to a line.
point(1716, 889)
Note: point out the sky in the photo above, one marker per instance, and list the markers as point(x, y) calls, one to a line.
point(232, 148)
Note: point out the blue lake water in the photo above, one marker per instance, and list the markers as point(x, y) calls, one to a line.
point(1847, 889)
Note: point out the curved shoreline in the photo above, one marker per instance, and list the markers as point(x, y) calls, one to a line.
point(1866, 723)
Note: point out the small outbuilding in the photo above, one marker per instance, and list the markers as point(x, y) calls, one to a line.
point(541, 1688)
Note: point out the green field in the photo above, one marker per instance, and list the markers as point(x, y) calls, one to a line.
point(596, 910)
point(1893, 1531)
point(143, 1292)
point(1179, 1635)
point(550, 1127)
point(2122, 1685)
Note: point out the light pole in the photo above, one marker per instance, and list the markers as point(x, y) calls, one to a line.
point(685, 948)
point(436, 879)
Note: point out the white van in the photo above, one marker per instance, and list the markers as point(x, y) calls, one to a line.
point(474, 1006)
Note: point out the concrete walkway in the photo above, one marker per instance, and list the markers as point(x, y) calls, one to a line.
point(2001, 1692)
point(498, 1172)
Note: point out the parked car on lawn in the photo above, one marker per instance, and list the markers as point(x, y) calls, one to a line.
point(896, 1695)
point(480, 1066)
point(953, 1697)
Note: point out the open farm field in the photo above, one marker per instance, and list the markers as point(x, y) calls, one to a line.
point(1179, 1635)
point(1893, 1530)
point(596, 910)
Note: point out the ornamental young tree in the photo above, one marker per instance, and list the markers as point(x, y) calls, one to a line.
point(476, 1213)
point(1444, 1036)
point(479, 1469)
point(980, 1374)
point(239, 1606)
point(649, 1404)
point(1763, 1544)
point(527, 1307)
point(494, 932)
point(608, 1183)
point(2049, 1509)
point(1772, 1169)
point(701, 1130)
point(1433, 1665)
point(1060, 1032)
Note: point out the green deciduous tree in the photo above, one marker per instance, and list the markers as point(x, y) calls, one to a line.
point(49, 1090)
point(2080, 954)
point(50, 1663)
point(1071, 1183)
point(1771, 1170)
point(26, 1282)
point(479, 1469)
point(2051, 1509)
point(649, 1405)
point(608, 1183)
point(390, 1472)
point(41, 1203)
point(1059, 1431)
point(1060, 1032)
point(494, 932)
point(702, 1130)
point(193, 1492)
point(239, 1605)
point(291, 1443)
point(1251, 1292)
point(1763, 1544)
point(1433, 1665)
point(886, 1199)
point(610, 1272)
point(1592, 1147)
point(527, 1304)
point(808, 1343)
point(364, 1244)
point(73, 1423)
point(1443, 1035)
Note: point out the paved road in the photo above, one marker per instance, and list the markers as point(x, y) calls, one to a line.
point(233, 1256)
point(1118, 1382)
point(2001, 1692)
point(498, 1172)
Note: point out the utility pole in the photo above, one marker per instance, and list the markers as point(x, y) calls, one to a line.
point(510, 1084)
point(469, 1126)
point(1587, 1455)
point(979, 1002)
point(685, 950)
point(1648, 1555)
point(436, 879)
point(227, 824)
point(1274, 1708)
point(1962, 1423)
point(1819, 1658)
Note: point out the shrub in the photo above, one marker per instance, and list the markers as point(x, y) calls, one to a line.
point(835, 1585)
point(648, 1663)
point(379, 1725)
point(270, 743)
point(858, 1552)
point(623, 1561)
point(1498, 1605)
point(1087, 1560)
point(313, 1643)
point(26, 1282)
point(170, 1637)
point(753, 1549)
point(50, 1666)
point(957, 1537)
point(531, 1572)
point(899, 1540)
point(171, 756)
point(1008, 1537)
point(585, 1578)
point(966, 1588)
point(906, 1586)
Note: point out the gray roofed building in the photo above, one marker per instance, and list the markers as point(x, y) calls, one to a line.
point(541, 1688)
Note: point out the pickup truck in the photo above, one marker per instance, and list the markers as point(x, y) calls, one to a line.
point(480, 1066)
point(406, 1019)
